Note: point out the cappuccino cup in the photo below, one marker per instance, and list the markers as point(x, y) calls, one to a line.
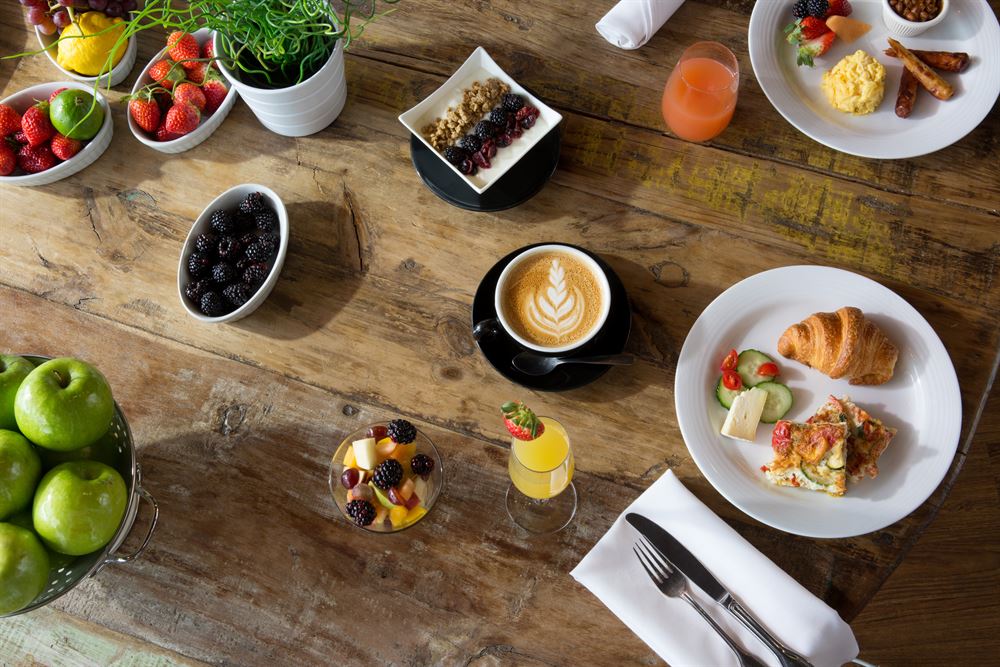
point(552, 298)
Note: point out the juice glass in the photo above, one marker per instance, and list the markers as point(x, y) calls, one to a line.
point(541, 497)
point(700, 95)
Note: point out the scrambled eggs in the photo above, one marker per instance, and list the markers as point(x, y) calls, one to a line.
point(84, 45)
point(856, 84)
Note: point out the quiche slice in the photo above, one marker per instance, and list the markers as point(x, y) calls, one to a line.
point(811, 456)
point(867, 437)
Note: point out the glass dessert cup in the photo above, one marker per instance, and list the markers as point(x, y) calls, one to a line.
point(541, 497)
point(434, 480)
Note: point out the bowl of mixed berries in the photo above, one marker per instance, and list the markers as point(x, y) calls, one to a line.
point(386, 477)
point(233, 254)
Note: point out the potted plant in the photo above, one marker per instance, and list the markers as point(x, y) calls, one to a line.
point(284, 57)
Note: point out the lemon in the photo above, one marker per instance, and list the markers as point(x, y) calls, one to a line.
point(88, 55)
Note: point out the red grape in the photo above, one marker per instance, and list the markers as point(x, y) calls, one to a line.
point(378, 432)
point(36, 16)
point(98, 5)
point(61, 18)
point(129, 6)
point(114, 9)
point(350, 478)
point(47, 27)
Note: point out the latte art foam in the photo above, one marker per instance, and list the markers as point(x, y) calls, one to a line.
point(552, 299)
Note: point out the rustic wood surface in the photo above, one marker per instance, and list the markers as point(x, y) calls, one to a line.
point(235, 424)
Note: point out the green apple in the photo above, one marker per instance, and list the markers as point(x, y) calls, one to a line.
point(79, 506)
point(24, 567)
point(104, 450)
point(12, 371)
point(64, 404)
point(20, 469)
point(56, 559)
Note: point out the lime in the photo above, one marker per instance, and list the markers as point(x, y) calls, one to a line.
point(75, 114)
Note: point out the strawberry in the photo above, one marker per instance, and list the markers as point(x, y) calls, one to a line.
point(34, 159)
point(805, 29)
point(55, 92)
point(208, 51)
point(36, 124)
point(20, 138)
point(190, 93)
point(182, 119)
point(10, 120)
point(166, 73)
point(215, 92)
point(183, 47)
point(64, 148)
point(8, 159)
point(838, 8)
point(145, 111)
point(196, 73)
point(520, 421)
point(813, 48)
point(162, 134)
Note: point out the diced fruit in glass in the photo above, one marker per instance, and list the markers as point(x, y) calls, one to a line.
point(380, 514)
point(395, 497)
point(406, 490)
point(421, 488)
point(415, 514)
point(384, 448)
point(381, 497)
point(412, 501)
point(397, 515)
point(377, 432)
point(403, 453)
point(360, 492)
point(350, 478)
point(349, 460)
point(364, 452)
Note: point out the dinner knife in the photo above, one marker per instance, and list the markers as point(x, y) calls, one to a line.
point(684, 560)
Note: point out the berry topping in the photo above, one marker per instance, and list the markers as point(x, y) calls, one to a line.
point(470, 143)
point(513, 102)
point(484, 129)
point(498, 117)
point(388, 473)
point(454, 155)
point(401, 431)
point(362, 511)
point(421, 464)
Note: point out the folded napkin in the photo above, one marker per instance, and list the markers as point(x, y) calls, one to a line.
point(631, 23)
point(671, 627)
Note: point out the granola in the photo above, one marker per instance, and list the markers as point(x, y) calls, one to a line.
point(476, 102)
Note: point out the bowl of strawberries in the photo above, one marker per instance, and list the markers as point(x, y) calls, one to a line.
point(180, 98)
point(32, 149)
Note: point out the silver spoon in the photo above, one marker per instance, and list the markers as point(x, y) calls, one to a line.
point(531, 363)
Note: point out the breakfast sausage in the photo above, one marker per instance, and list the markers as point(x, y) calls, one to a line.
point(907, 94)
point(927, 77)
point(946, 61)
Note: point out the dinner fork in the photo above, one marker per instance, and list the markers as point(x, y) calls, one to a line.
point(673, 583)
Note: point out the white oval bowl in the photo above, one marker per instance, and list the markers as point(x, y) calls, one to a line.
point(87, 155)
point(204, 130)
point(900, 27)
point(230, 199)
point(118, 73)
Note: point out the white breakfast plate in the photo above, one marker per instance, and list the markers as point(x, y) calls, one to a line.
point(921, 400)
point(970, 26)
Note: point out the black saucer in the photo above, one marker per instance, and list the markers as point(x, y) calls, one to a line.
point(500, 348)
point(522, 182)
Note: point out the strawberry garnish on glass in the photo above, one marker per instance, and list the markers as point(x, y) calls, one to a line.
point(522, 423)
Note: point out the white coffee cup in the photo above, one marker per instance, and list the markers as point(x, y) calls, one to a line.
point(584, 259)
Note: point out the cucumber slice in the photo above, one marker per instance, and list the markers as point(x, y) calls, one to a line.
point(779, 401)
point(748, 363)
point(726, 396)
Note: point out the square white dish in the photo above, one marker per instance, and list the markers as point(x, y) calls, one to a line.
point(478, 67)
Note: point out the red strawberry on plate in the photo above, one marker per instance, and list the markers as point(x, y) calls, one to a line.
point(36, 124)
point(813, 48)
point(805, 29)
point(8, 159)
point(10, 120)
point(162, 134)
point(521, 421)
point(64, 148)
point(208, 51)
point(145, 111)
point(55, 92)
point(183, 47)
point(196, 73)
point(190, 93)
point(839, 8)
point(34, 159)
point(182, 119)
point(215, 92)
point(166, 73)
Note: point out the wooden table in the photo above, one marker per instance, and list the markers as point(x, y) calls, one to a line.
point(235, 424)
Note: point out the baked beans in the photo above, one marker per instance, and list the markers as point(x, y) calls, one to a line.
point(916, 10)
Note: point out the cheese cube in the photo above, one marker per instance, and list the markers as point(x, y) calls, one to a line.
point(744, 415)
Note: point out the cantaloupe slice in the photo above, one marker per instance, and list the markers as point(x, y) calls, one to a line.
point(847, 29)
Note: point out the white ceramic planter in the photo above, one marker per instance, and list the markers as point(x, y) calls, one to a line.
point(299, 110)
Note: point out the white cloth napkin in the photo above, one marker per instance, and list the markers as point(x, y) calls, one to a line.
point(671, 627)
point(631, 23)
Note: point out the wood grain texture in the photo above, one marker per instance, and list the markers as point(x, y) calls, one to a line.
point(252, 564)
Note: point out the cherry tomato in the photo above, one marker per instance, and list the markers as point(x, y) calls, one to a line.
point(731, 380)
point(729, 363)
point(769, 369)
point(781, 435)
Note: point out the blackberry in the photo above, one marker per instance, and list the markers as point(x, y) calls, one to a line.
point(512, 102)
point(266, 221)
point(254, 203)
point(455, 155)
point(799, 9)
point(503, 140)
point(470, 143)
point(484, 129)
point(388, 473)
point(212, 304)
point(236, 294)
point(229, 249)
point(361, 511)
point(255, 274)
point(199, 264)
point(498, 116)
point(261, 250)
point(196, 288)
point(206, 243)
point(248, 239)
point(817, 8)
point(401, 431)
point(223, 273)
point(222, 222)
point(421, 464)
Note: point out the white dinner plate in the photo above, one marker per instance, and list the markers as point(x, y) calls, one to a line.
point(970, 26)
point(921, 400)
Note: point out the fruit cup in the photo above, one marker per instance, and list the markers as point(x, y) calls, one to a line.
point(400, 506)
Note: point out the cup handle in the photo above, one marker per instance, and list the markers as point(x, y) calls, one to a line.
point(486, 329)
point(115, 559)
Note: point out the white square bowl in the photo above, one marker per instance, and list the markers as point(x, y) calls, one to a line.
point(479, 67)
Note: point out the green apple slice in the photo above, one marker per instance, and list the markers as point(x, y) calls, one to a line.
point(383, 499)
point(364, 453)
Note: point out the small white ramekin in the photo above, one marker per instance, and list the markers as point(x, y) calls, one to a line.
point(118, 73)
point(900, 27)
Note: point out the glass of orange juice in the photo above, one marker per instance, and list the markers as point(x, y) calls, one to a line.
point(700, 95)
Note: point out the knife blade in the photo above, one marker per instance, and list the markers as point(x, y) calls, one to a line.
point(685, 561)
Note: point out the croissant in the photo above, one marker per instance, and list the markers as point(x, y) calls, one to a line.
point(844, 343)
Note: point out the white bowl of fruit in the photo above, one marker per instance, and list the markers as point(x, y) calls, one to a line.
point(386, 477)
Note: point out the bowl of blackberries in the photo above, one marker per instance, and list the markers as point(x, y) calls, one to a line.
point(233, 254)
